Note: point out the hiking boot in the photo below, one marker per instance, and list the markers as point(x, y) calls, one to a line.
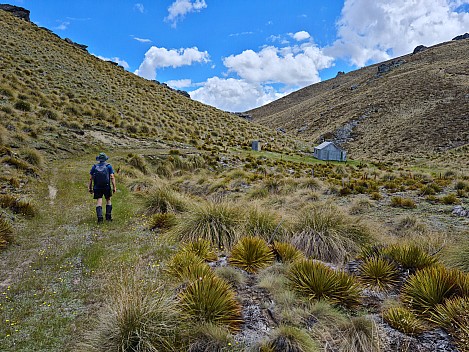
point(108, 212)
point(99, 214)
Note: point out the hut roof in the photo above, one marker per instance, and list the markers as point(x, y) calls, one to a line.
point(325, 144)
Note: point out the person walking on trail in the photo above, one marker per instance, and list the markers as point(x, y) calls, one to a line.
point(101, 179)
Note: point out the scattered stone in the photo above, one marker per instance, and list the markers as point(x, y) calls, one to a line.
point(419, 49)
point(281, 130)
point(462, 36)
point(79, 46)
point(244, 116)
point(16, 11)
point(302, 129)
point(459, 210)
point(355, 86)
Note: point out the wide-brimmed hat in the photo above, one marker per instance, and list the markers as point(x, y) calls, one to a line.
point(102, 157)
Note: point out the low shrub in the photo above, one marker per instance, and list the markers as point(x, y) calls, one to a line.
point(316, 281)
point(162, 221)
point(378, 273)
point(23, 106)
point(251, 254)
point(428, 287)
point(286, 252)
point(410, 257)
point(211, 300)
point(201, 248)
point(404, 320)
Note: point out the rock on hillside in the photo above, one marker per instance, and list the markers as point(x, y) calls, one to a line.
point(416, 104)
point(17, 11)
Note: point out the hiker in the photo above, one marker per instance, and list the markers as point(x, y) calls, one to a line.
point(101, 177)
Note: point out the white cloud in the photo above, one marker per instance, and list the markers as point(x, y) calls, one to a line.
point(63, 25)
point(139, 7)
point(234, 94)
point(291, 65)
point(179, 8)
point(179, 83)
point(161, 57)
point(376, 30)
point(300, 36)
point(142, 40)
point(123, 63)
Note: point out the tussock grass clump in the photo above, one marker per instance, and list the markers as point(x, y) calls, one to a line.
point(427, 288)
point(164, 200)
point(286, 252)
point(211, 300)
point(218, 223)
point(6, 233)
point(404, 320)
point(187, 267)
point(251, 254)
point(232, 275)
point(358, 334)
point(401, 202)
point(326, 233)
point(410, 256)
point(138, 162)
point(23, 105)
point(262, 223)
point(290, 339)
point(33, 157)
point(316, 281)
point(211, 338)
point(18, 206)
point(453, 316)
point(201, 248)
point(457, 255)
point(379, 273)
point(136, 320)
point(449, 199)
point(162, 221)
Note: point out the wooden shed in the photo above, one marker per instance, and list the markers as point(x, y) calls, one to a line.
point(329, 151)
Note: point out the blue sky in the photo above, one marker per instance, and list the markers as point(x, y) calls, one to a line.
point(237, 55)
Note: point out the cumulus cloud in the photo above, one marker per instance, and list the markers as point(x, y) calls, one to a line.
point(139, 7)
point(301, 35)
point(179, 83)
point(234, 94)
point(179, 8)
point(161, 57)
point(121, 62)
point(376, 30)
point(291, 65)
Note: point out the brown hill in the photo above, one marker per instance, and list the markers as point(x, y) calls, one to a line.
point(412, 105)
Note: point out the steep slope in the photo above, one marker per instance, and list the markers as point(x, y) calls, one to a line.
point(412, 105)
point(52, 90)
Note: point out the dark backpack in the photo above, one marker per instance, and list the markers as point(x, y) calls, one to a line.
point(101, 176)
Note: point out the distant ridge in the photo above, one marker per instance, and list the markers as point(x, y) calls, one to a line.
point(412, 105)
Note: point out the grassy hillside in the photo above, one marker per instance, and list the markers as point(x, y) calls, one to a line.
point(419, 106)
point(213, 246)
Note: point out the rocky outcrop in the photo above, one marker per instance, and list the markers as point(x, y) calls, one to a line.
point(17, 11)
point(80, 46)
point(181, 92)
point(462, 36)
point(244, 116)
point(458, 210)
point(418, 49)
point(386, 67)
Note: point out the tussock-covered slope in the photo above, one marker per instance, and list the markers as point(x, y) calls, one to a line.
point(54, 95)
point(419, 106)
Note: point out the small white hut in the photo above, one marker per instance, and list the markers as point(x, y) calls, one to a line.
point(329, 151)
